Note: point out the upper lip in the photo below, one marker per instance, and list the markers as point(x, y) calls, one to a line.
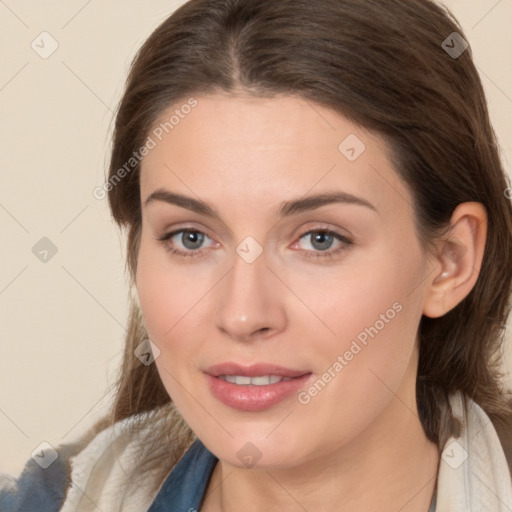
point(253, 370)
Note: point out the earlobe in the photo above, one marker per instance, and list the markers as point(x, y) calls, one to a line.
point(458, 260)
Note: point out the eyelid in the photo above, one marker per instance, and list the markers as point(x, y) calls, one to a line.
point(170, 232)
point(323, 226)
point(335, 234)
point(318, 226)
point(167, 235)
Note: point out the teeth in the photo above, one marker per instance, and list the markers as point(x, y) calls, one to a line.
point(263, 380)
point(256, 381)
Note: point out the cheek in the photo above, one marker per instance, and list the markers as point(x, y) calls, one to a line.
point(375, 316)
point(172, 300)
point(153, 296)
point(165, 294)
point(374, 300)
point(361, 300)
point(162, 300)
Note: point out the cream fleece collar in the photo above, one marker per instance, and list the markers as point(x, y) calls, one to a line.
point(473, 473)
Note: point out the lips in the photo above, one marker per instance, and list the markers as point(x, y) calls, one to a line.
point(253, 370)
point(255, 387)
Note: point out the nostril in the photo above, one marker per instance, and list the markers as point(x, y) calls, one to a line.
point(261, 331)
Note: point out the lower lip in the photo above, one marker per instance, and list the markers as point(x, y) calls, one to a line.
point(254, 398)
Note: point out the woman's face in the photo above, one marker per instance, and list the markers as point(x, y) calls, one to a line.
point(270, 280)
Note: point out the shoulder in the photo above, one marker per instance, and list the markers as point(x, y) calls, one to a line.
point(473, 472)
point(46, 487)
point(118, 468)
point(482, 435)
point(39, 488)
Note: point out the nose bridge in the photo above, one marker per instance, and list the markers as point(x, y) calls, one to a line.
point(249, 301)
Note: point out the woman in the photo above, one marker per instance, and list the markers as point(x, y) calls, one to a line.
point(320, 246)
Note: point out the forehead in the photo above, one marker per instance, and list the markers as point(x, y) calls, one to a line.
point(265, 150)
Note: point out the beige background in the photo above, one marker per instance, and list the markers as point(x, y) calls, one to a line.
point(63, 320)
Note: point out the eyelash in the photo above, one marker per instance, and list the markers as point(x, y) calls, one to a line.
point(314, 255)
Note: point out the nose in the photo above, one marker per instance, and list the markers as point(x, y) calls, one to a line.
point(251, 301)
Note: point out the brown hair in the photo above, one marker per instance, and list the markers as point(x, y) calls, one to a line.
point(380, 63)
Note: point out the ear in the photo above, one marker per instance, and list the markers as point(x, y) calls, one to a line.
point(458, 260)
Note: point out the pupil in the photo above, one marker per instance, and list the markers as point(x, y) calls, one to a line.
point(190, 238)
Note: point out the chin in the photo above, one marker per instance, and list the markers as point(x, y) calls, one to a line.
point(254, 451)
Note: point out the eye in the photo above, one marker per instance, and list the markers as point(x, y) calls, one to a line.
point(191, 239)
point(322, 241)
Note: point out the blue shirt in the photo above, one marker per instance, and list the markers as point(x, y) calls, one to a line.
point(184, 487)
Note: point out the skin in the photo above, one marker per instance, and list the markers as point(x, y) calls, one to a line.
point(245, 156)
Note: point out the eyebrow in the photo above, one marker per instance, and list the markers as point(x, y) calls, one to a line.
point(287, 207)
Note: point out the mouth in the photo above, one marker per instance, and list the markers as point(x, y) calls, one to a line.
point(256, 387)
point(262, 380)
